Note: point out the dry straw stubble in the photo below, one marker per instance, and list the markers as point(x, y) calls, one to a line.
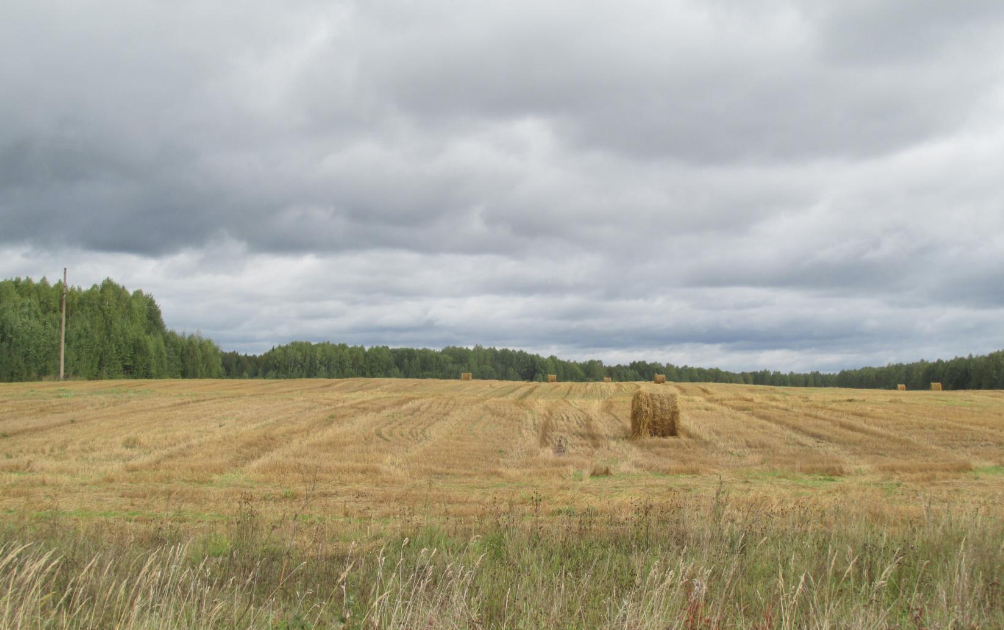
point(654, 414)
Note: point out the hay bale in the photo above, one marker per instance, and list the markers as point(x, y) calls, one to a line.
point(654, 414)
point(660, 379)
point(607, 379)
point(935, 387)
point(901, 387)
point(465, 376)
point(551, 378)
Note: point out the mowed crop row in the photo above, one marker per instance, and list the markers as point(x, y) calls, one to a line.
point(375, 445)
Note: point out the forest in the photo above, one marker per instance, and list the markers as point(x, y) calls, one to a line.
point(112, 333)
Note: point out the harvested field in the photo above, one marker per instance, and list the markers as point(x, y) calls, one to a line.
point(490, 504)
point(373, 446)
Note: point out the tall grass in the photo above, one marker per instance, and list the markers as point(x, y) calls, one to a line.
point(721, 564)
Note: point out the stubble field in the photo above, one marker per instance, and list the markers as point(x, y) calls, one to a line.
point(767, 504)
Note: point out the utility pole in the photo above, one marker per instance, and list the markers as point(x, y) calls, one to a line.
point(62, 330)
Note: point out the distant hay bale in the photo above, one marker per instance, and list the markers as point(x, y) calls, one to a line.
point(465, 376)
point(901, 387)
point(607, 379)
point(552, 378)
point(660, 379)
point(654, 414)
point(935, 387)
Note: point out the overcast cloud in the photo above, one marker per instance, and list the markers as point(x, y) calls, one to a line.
point(791, 185)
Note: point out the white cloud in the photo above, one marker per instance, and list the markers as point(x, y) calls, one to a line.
point(775, 185)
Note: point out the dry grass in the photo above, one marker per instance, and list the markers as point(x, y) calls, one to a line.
point(371, 445)
point(438, 504)
point(654, 415)
point(690, 565)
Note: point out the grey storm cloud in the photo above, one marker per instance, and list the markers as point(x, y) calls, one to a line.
point(793, 185)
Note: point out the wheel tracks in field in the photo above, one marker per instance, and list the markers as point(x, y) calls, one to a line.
point(588, 416)
point(239, 447)
point(624, 428)
point(481, 425)
point(939, 434)
point(531, 388)
point(854, 451)
point(977, 429)
point(804, 438)
point(63, 415)
point(506, 391)
point(278, 419)
point(598, 391)
point(287, 450)
point(864, 427)
point(412, 421)
point(449, 441)
point(392, 439)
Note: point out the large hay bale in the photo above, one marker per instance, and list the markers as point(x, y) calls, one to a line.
point(654, 414)
point(901, 387)
point(465, 376)
point(552, 378)
point(660, 379)
point(935, 387)
point(607, 379)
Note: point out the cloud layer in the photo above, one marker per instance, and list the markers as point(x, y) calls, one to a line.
point(779, 186)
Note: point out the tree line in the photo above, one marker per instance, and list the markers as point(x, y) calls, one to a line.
point(302, 359)
point(112, 333)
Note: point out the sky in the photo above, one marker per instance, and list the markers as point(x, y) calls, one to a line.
point(782, 185)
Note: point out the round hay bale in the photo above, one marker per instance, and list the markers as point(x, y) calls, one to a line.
point(465, 376)
point(901, 387)
point(935, 387)
point(551, 378)
point(607, 379)
point(660, 379)
point(654, 414)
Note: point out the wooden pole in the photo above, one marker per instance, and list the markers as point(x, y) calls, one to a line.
point(62, 330)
